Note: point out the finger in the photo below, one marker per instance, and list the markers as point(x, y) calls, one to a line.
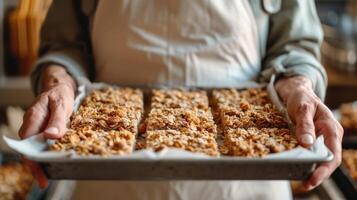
point(325, 116)
point(331, 131)
point(34, 119)
point(320, 174)
point(56, 126)
point(37, 172)
point(305, 128)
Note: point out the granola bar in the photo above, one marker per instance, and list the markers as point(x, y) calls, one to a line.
point(181, 119)
point(257, 116)
point(193, 141)
point(242, 99)
point(179, 99)
point(126, 97)
point(255, 142)
point(250, 123)
point(86, 141)
point(106, 117)
point(106, 123)
point(248, 108)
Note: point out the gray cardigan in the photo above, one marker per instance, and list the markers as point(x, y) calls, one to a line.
point(290, 36)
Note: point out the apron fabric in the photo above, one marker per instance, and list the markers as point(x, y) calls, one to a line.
point(206, 43)
point(175, 42)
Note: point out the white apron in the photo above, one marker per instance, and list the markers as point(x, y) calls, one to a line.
point(210, 43)
point(175, 42)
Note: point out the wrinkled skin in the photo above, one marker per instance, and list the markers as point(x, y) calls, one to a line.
point(50, 112)
point(312, 118)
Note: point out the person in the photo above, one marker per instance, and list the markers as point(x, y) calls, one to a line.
point(186, 43)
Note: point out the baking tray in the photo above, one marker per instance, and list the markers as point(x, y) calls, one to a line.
point(173, 164)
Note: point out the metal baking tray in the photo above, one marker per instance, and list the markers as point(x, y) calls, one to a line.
point(173, 164)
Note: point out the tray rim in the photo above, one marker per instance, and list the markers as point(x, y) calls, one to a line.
point(329, 157)
point(83, 88)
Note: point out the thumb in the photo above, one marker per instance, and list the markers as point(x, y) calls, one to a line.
point(56, 126)
point(305, 128)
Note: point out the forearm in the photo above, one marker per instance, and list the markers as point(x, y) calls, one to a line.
point(54, 75)
point(285, 86)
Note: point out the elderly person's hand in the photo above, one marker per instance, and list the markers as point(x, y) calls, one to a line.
point(50, 112)
point(312, 118)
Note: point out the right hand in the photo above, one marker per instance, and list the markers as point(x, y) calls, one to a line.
point(50, 112)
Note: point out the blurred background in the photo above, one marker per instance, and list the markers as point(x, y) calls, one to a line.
point(20, 23)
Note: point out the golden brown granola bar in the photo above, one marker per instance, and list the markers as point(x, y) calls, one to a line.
point(179, 99)
point(127, 97)
point(255, 142)
point(257, 116)
point(240, 99)
point(106, 117)
point(252, 126)
point(193, 141)
point(89, 142)
point(247, 108)
point(106, 123)
point(181, 120)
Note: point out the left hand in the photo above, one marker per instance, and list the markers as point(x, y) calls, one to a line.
point(312, 118)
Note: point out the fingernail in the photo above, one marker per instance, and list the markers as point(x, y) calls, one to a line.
point(52, 130)
point(307, 139)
